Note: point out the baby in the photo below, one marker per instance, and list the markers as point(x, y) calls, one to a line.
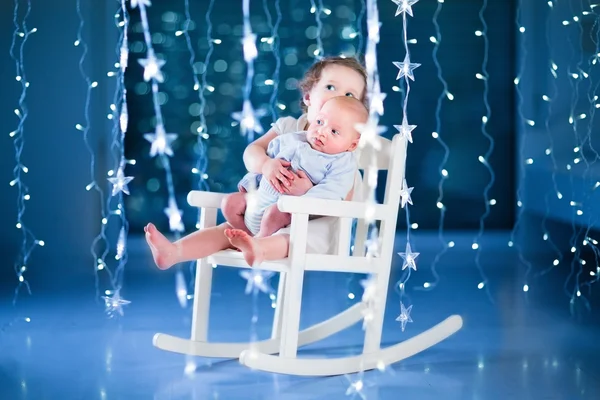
point(323, 153)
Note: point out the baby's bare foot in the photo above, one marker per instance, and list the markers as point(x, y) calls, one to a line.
point(246, 244)
point(164, 252)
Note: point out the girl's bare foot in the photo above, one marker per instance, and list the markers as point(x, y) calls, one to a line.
point(165, 253)
point(249, 246)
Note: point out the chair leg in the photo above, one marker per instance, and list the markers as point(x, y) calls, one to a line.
point(202, 289)
point(293, 287)
point(277, 318)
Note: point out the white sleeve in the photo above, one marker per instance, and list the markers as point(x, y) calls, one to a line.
point(286, 125)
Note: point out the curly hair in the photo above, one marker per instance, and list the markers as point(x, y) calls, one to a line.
point(313, 75)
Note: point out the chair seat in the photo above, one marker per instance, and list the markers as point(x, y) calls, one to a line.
point(233, 258)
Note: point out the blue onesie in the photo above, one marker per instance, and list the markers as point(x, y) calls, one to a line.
point(332, 174)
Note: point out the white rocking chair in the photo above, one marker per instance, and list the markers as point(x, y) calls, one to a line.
point(286, 337)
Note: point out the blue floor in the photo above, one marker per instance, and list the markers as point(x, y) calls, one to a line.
point(519, 347)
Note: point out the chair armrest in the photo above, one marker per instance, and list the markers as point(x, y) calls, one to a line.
point(329, 208)
point(197, 198)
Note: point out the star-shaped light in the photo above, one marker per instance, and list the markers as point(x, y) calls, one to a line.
point(161, 141)
point(376, 98)
point(405, 129)
point(141, 3)
point(249, 46)
point(356, 387)
point(406, 68)
point(405, 194)
point(120, 182)
point(404, 6)
point(114, 304)
point(409, 258)
point(152, 66)
point(257, 280)
point(404, 316)
point(249, 119)
point(369, 132)
point(174, 214)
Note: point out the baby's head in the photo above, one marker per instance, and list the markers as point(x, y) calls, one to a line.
point(331, 77)
point(334, 129)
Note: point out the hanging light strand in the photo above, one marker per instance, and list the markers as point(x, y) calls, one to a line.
point(273, 42)
point(28, 240)
point(437, 40)
point(485, 159)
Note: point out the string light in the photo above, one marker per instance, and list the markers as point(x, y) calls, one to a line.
point(437, 39)
point(114, 204)
point(317, 10)
point(29, 241)
point(248, 118)
point(484, 159)
point(406, 70)
point(160, 140)
point(273, 42)
point(202, 131)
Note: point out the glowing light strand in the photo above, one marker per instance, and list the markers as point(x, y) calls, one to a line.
point(406, 69)
point(273, 41)
point(113, 301)
point(249, 118)
point(359, 33)
point(202, 131)
point(437, 40)
point(85, 128)
point(552, 68)
point(317, 10)
point(29, 241)
point(579, 230)
point(521, 161)
point(160, 139)
point(202, 160)
point(485, 160)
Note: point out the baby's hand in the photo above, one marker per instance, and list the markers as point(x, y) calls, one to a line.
point(277, 174)
point(300, 185)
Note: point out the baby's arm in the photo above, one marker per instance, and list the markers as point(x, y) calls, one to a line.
point(338, 181)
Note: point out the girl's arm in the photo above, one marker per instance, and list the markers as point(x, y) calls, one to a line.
point(255, 154)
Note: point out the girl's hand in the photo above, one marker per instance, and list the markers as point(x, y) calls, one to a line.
point(300, 185)
point(276, 172)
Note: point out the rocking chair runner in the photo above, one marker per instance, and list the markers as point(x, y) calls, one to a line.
point(286, 337)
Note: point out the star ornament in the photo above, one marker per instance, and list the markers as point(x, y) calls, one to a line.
point(409, 258)
point(405, 194)
point(406, 68)
point(404, 316)
point(405, 129)
point(174, 214)
point(249, 119)
point(114, 304)
point(369, 133)
point(152, 66)
point(160, 141)
point(377, 98)
point(257, 281)
point(404, 6)
point(120, 182)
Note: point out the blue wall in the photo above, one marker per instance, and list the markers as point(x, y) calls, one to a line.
point(61, 212)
